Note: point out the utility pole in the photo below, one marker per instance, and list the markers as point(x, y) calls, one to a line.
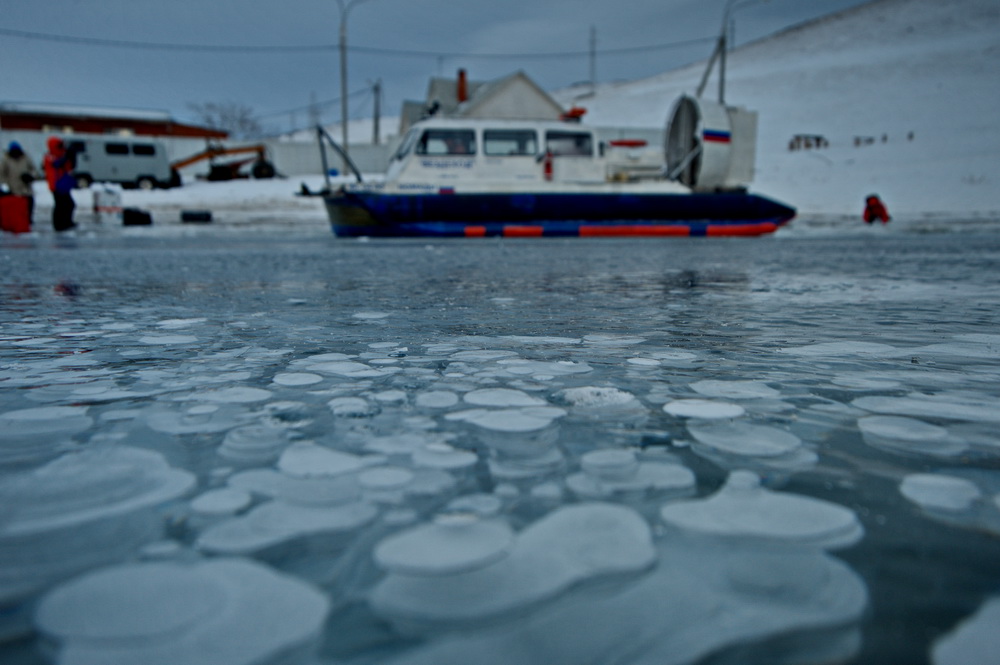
point(345, 7)
point(377, 90)
point(593, 59)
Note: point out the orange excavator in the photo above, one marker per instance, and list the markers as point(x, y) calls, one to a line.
point(262, 167)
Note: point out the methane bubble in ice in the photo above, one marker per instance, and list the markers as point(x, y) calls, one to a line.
point(501, 397)
point(305, 458)
point(451, 544)
point(254, 444)
point(200, 419)
point(734, 389)
point(908, 435)
point(437, 399)
point(346, 368)
point(443, 456)
point(234, 395)
point(318, 490)
point(612, 474)
point(36, 435)
point(528, 419)
point(267, 530)
point(974, 640)
point(167, 340)
point(81, 510)
point(523, 367)
point(587, 397)
point(944, 406)
point(221, 612)
point(704, 409)
point(566, 547)
point(940, 492)
point(294, 379)
point(225, 501)
point(735, 440)
point(839, 349)
point(695, 604)
point(742, 508)
point(351, 407)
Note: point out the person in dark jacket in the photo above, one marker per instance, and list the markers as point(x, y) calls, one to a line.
point(59, 164)
point(18, 172)
point(875, 209)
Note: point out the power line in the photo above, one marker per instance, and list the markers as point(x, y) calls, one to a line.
point(404, 53)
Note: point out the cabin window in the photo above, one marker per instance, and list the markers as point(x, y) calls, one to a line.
point(447, 142)
point(116, 148)
point(499, 142)
point(144, 149)
point(78, 147)
point(569, 143)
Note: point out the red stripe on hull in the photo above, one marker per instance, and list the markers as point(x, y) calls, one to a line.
point(635, 230)
point(741, 229)
point(517, 231)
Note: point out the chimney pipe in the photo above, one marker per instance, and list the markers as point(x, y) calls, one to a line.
point(462, 91)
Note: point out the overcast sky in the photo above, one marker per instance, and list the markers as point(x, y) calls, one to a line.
point(402, 42)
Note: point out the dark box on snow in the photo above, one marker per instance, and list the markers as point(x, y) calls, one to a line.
point(136, 217)
point(202, 216)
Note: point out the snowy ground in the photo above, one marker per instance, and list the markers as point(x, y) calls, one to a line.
point(884, 69)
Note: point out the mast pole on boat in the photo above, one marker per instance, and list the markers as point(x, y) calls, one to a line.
point(721, 47)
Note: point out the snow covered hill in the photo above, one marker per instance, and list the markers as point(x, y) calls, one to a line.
point(882, 70)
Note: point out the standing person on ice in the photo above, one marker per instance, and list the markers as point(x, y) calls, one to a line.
point(18, 172)
point(875, 209)
point(59, 164)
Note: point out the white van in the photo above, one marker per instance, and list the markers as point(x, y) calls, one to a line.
point(131, 162)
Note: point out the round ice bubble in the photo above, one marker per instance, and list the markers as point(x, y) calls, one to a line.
point(254, 444)
point(39, 434)
point(742, 508)
point(839, 349)
point(221, 612)
point(974, 640)
point(944, 406)
point(610, 472)
point(277, 522)
point(443, 456)
point(295, 379)
point(385, 478)
point(703, 408)
point(734, 389)
point(908, 435)
point(234, 395)
point(45, 421)
point(610, 464)
point(501, 397)
point(940, 492)
point(82, 510)
point(436, 399)
point(351, 407)
point(742, 438)
point(528, 419)
point(225, 501)
point(568, 546)
point(321, 490)
point(483, 505)
point(305, 458)
point(452, 543)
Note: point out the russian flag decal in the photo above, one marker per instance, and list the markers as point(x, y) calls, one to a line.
point(715, 136)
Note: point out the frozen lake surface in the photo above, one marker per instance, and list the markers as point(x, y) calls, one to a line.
point(299, 449)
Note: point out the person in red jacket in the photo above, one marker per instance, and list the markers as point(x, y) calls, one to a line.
point(875, 209)
point(59, 164)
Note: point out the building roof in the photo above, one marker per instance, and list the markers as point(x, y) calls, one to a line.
point(116, 113)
